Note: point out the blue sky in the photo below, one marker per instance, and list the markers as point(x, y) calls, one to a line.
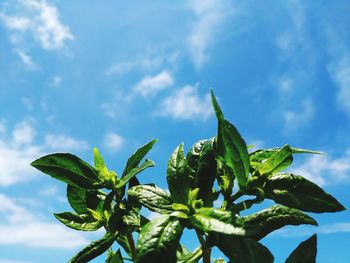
point(77, 74)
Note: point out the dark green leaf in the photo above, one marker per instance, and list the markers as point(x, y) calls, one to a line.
point(80, 199)
point(206, 172)
point(225, 180)
point(69, 169)
point(297, 192)
point(123, 242)
point(216, 220)
point(243, 250)
point(152, 197)
point(305, 252)
point(275, 217)
point(79, 222)
point(231, 148)
point(134, 171)
point(177, 176)
point(280, 158)
point(136, 158)
point(93, 250)
point(159, 240)
point(114, 257)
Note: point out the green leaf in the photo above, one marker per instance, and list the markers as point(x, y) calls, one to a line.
point(231, 148)
point(275, 217)
point(123, 242)
point(69, 169)
point(216, 220)
point(177, 176)
point(280, 158)
point(206, 172)
point(79, 222)
point(305, 252)
point(114, 257)
point(243, 250)
point(98, 160)
point(185, 256)
point(134, 171)
point(152, 197)
point(225, 181)
point(80, 199)
point(297, 192)
point(159, 240)
point(136, 157)
point(93, 250)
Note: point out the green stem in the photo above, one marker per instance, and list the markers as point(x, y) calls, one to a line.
point(131, 244)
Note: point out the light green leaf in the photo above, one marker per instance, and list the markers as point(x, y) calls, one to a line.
point(297, 192)
point(152, 197)
point(69, 169)
point(305, 253)
point(79, 222)
point(98, 160)
point(177, 176)
point(185, 256)
point(231, 148)
point(215, 220)
point(136, 157)
point(93, 250)
point(134, 171)
point(158, 240)
point(275, 217)
point(280, 158)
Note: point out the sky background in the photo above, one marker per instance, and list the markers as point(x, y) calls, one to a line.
point(116, 74)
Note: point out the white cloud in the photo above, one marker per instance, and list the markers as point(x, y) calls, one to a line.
point(27, 61)
point(113, 141)
point(18, 150)
point(325, 170)
point(186, 104)
point(294, 119)
point(39, 19)
point(56, 81)
point(19, 226)
point(210, 15)
point(59, 142)
point(151, 85)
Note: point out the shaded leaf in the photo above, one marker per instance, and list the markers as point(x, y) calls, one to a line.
point(177, 176)
point(94, 249)
point(275, 217)
point(185, 256)
point(243, 250)
point(305, 252)
point(80, 199)
point(114, 257)
point(231, 148)
point(297, 192)
point(152, 197)
point(79, 222)
point(69, 169)
point(159, 240)
point(216, 220)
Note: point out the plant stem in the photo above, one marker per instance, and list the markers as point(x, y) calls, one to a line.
point(131, 244)
point(206, 251)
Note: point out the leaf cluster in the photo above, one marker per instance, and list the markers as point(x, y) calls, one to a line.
point(201, 197)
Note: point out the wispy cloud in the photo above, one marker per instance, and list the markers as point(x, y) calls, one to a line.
point(19, 226)
point(325, 170)
point(209, 15)
point(186, 104)
point(27, 61)
point(18, 150)
point(294, 119)
point(113, 141)
point(151, 85)
point(38, 19)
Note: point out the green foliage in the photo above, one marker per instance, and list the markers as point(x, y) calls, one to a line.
point(201, 198)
